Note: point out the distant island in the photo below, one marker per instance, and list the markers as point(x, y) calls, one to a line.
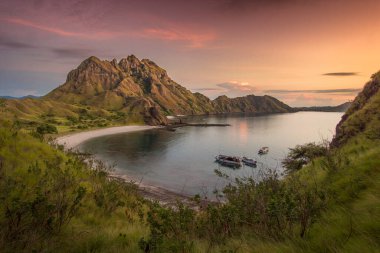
point(339, 108)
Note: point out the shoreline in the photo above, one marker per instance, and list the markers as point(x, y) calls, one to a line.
point(73, 140)
point(164, 196)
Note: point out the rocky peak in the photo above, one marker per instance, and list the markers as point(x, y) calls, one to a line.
point(114, 63)
point(221, 98)
point(130, 64)
point(92, 76)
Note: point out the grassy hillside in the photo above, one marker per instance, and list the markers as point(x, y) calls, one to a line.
point(31, 113)
point(51, 201)
point(363, 116)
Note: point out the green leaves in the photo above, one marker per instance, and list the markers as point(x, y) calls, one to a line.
point(46, 129)
point(302, 155)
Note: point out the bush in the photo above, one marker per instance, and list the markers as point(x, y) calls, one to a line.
point(302, 155)
point(270, 209)
point(34, 212)
point(46, 129)
point(171, 229)
point(72, 119)
point(3, 102)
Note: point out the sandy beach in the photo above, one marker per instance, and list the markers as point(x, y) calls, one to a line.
point(164, 196)
point(73, 140)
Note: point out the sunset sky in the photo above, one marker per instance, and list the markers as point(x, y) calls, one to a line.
point(304, 52)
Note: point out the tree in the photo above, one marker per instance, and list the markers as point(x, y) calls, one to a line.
point(302, 155)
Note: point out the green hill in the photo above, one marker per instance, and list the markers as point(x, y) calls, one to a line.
point(363, 116)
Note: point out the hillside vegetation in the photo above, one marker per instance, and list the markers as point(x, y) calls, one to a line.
point(51, 201)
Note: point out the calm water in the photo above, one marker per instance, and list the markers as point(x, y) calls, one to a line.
point(183, 161)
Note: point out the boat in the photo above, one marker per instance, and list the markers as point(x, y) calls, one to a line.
point(249, 161)
point(263, 151)
point(231, 161)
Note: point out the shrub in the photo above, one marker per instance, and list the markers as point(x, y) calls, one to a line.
point(33, 212)
point(302, 155)
point(46, 129)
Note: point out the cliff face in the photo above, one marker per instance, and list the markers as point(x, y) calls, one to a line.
point(363, 116)
point(143, 88)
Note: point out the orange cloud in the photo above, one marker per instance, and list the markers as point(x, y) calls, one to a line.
point(194, 40)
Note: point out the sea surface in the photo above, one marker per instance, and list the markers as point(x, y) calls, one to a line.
point(184, 161)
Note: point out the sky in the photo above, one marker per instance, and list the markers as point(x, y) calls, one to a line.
point(303, 52)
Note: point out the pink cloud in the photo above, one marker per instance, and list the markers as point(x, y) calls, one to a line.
point(60, 32)
point(193, 39)
point(231, 89)
point(237, 87)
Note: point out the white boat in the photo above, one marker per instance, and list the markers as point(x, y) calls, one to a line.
point(231, 161)
point(249, 161)
point(263, 151)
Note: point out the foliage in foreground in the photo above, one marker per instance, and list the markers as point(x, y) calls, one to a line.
point(49, 198)
point(328, 206)
point(51, 201)
point(55, 202)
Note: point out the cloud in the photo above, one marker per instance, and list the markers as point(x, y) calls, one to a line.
point(330, 97)
point(236, 86)
point(9, 43)
point(231, 89)
point(193, 39)
point(61, 32)
point(59, 52)
point(27, 23)
point(240, 6)
point(207, 89)
point(72, 52)
point(341, 74)
point(330, 91)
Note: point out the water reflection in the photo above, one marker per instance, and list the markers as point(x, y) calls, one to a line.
point(183, 161)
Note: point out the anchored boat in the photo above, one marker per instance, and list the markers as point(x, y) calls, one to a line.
point(249, 161)
point(263, 151)
point(231, 161)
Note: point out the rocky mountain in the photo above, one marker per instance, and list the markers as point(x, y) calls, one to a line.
point(249, 104)
point(363, 116)
point(140, 88)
